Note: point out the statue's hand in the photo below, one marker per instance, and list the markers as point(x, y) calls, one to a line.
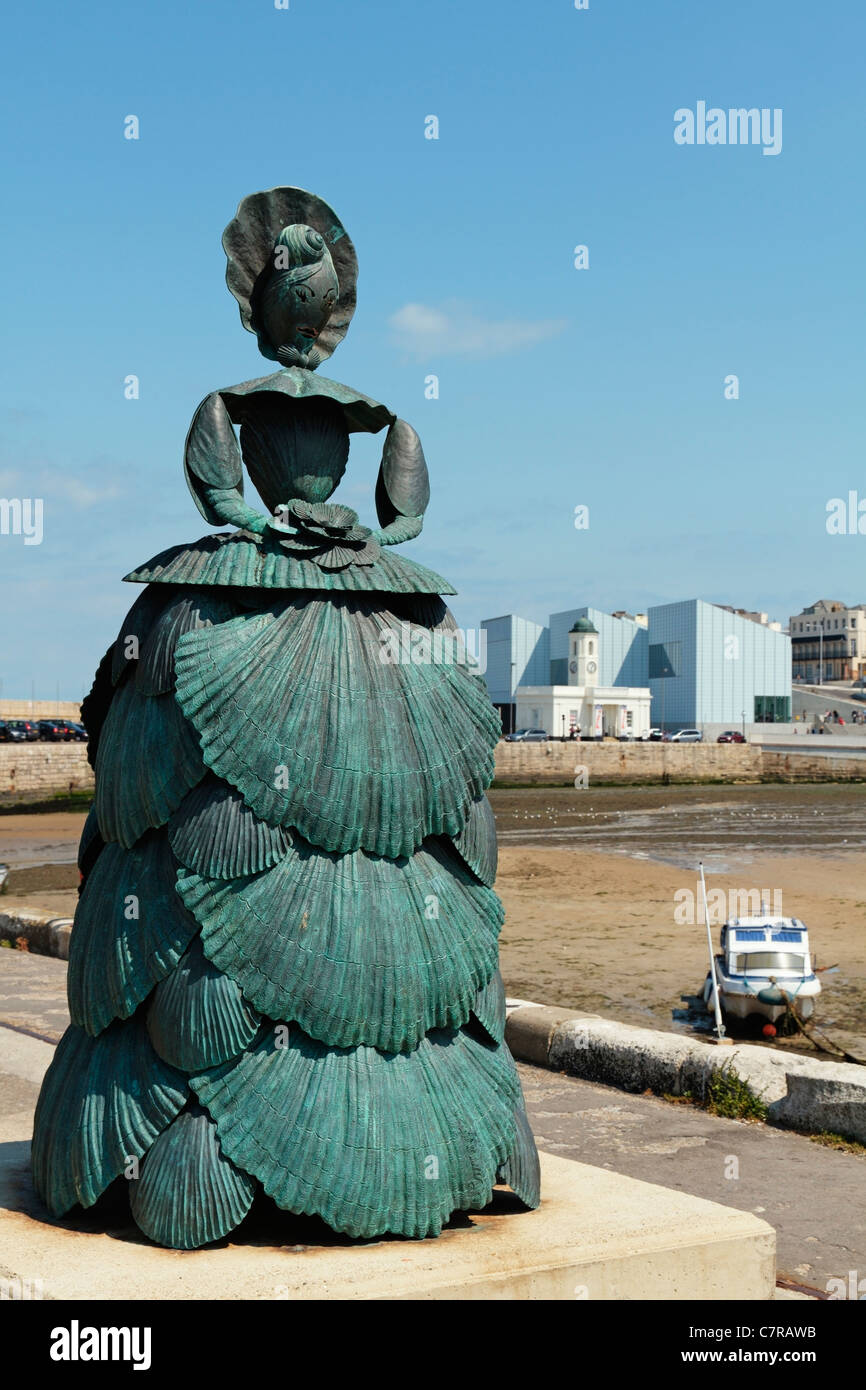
point(403, 487)
point(227, 505)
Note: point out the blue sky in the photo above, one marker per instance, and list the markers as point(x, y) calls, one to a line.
point(558, 386)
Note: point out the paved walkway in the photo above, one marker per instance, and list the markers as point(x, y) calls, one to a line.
point(814, 1197)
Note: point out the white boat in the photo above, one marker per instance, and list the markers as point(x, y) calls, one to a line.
point(765, 968)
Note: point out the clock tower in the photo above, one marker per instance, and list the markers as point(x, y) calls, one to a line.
point(583, 653)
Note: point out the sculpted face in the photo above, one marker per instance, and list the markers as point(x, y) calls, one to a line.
point(299, 300)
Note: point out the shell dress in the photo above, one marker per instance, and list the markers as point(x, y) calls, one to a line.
point(283, 971)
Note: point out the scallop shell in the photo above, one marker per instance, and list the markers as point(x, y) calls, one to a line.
point(476, 842)
point(90, 845)
point(187, 613)
point(116, 956)
point(372, 1142)
point(293, 448)
point(522, 1170)
point(189, 1193)
point(489, 1008)
point(337, 557)
point(148, 760)
point(134, 630)
point(103, 1100)
point(426, 610)
point(214, 833)
point(240, 559)
point(357, 949)
point(198, 1017)
point(297, 708)
point(96, 704)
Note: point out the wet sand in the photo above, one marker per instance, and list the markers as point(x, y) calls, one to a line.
point(40, 851)
point(680, 825)
point(589, 881)
point(598, 931)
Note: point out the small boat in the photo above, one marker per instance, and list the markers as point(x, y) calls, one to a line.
point(765, 968)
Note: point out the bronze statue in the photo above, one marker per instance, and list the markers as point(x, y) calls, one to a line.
point(283, 970)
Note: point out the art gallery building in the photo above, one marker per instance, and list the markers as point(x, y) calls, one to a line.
point(690, 664)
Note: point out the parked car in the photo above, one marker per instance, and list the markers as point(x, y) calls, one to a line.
point(78, 731)
point(25, 729)
point(53, 731)
point(731, 736)
point(687, 736)
point(527, 736)
point(30, 727)
point(10, 734)
point(652, 736)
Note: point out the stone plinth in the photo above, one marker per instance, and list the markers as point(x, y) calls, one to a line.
point(597, 1236)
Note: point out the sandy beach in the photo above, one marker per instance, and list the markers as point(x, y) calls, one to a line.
point(598, 931)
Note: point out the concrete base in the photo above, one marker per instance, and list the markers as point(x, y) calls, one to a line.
point(597, 1236)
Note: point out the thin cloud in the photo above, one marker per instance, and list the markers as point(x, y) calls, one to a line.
point(76, 492)
point(454, 330)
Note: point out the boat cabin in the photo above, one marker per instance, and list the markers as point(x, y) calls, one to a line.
point(762, 946)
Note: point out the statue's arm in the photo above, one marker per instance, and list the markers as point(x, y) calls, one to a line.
point(213, 469)
point(403, 486)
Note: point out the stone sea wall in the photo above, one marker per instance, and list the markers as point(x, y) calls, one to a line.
point(560, 763)
point(58, 767)
point(43, 768)
point(40, 709)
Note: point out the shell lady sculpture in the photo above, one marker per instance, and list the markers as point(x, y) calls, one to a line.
point(283, 970)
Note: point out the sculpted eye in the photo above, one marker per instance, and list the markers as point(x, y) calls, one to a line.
point(302, 293)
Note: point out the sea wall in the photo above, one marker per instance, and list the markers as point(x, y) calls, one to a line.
point(43, 768)
point(58, 767)
point(40, 709)
point(784, 766)
point(561, 763)
point(803, 1093)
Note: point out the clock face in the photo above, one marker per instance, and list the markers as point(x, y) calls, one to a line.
point(572, 666)
point(590, 666)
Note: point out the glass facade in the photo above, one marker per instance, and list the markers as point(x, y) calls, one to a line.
point(726, 669)
point(518, 653)
point(772, 709)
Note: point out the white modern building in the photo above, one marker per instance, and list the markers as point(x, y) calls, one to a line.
point(581, 705)
point(711, 668)
point(707, 666)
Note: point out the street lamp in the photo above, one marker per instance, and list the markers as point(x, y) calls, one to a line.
point(821, 653)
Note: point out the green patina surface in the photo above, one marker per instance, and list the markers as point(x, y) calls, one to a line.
point(283, 973)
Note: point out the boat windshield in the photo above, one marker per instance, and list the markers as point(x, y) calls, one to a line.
point(769, 960)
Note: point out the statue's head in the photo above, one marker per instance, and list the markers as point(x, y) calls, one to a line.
point(299, 296)
point(293, 270)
